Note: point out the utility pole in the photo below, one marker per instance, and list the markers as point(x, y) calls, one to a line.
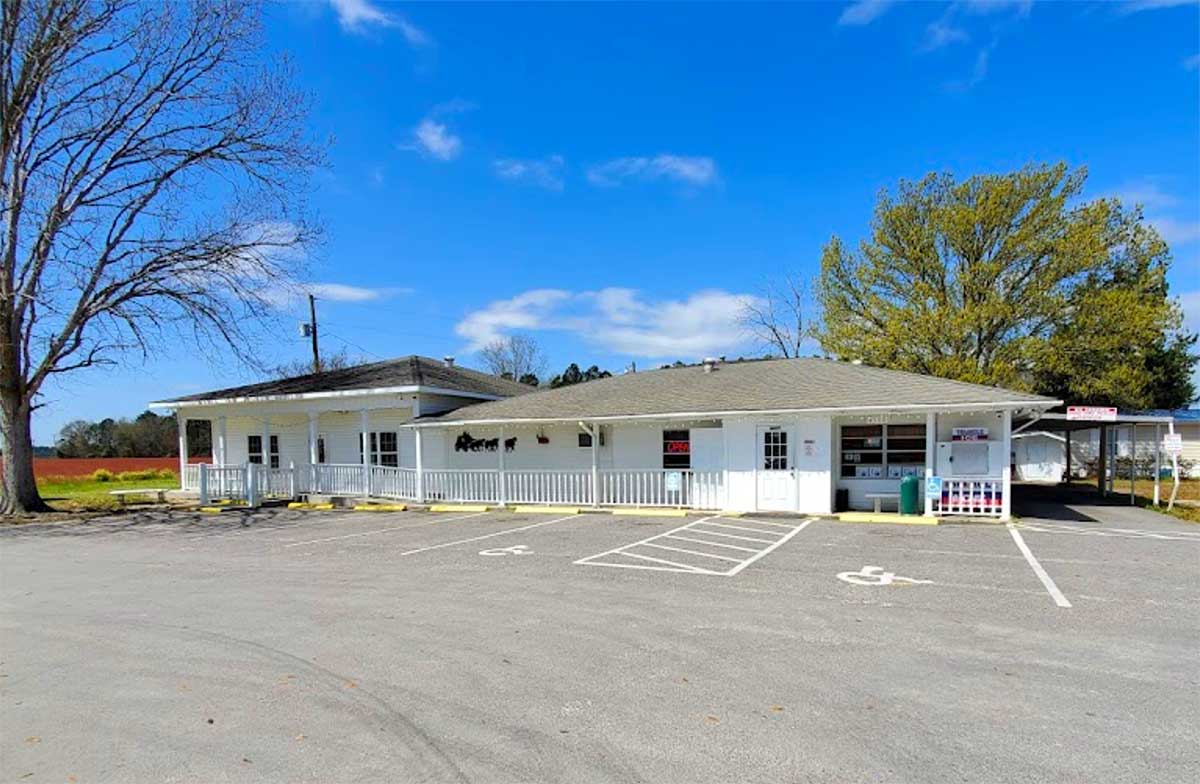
point(312, 331)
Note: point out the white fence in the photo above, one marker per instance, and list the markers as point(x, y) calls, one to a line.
point(682, 489)
point(973, 497)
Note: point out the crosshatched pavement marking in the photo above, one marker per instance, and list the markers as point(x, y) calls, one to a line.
point(358, 534)
point(696, 548)
point(1122, 533)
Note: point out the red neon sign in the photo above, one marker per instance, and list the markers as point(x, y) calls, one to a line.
point(678, 447)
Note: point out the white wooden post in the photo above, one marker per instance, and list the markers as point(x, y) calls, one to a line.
point(314, 454)
point(203, 484)
point(1102, 462)
point(266, 442)
point(222, 445)
point(1067, 477)
point(252, 484)
point(365, 426)
point(1006, 469)
point(291, 479)
point(1157, 462)
point(1132, 463)
point(420, 467)
point(501, 492)
point(930, 456)
point(181, 423)
point(1174, 469)
point(595, 466)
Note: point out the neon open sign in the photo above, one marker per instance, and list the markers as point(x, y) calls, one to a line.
point(678, 447)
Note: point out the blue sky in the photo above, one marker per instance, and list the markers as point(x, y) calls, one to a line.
point(615, 180)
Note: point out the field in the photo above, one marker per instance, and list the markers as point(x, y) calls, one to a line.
point(1189, 493)
point(84, 466)
point(86, 494)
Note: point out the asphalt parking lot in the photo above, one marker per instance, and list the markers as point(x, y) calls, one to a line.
point(499, 647)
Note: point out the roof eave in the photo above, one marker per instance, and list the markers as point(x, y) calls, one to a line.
point(325, 395)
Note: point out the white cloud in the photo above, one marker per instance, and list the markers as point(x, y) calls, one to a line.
point(1177, 232)
point(941, 33)
point(545, 173)
point(1137, 6)
point(978, 73)
point(618, 320)
point(1020, 7)
point(433, 138)
point(357, 16)
point(696, 171)
point(291, 296)
point(1146, 193)
point(864, 12)
point(1192, 63)
point(1189, 303)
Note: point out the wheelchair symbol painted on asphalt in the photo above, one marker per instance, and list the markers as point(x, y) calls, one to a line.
point(876, 575)
point(516, 549)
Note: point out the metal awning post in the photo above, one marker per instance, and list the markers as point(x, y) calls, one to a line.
point(1102, 462)
point(1157, 463)
point(1067, 478)
point(1132, 465)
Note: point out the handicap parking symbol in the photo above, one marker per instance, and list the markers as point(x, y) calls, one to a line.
point(516, 549)
point(876, 575)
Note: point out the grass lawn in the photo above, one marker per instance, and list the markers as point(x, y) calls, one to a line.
point(1189, 490)
point(84, 494)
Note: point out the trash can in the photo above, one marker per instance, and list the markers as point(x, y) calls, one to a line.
point(909, 495)
point(841, 501)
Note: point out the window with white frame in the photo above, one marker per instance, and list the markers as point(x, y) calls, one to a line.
point(677, 449)
point(254, 451)
point(385, 448)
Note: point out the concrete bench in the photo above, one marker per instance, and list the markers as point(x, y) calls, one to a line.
point(879, 498)
point(159, 493)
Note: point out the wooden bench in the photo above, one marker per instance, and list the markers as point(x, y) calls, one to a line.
point(159, 493)
point(879, 498)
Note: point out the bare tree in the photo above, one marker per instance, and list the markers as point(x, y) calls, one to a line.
point(777, 318)
point(338, 360)
point(150, 161)
point(518, 357)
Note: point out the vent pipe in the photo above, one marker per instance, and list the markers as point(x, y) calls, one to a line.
point(710, 364)
point(448, 361)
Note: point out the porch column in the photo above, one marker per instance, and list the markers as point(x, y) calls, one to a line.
point(930, 456)
point(1006, 468)
point(364, 417)
point(501, 489)
point(420, 467)
point(595, 466)
point(1067, 477)
point(222, 443)
point(314, 454)
point(181, 423)
point(1132, 464)
point(1102, 462)
point(266, 442)
point(1157, 462)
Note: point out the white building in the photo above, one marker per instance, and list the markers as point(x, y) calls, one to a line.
point(765, 435)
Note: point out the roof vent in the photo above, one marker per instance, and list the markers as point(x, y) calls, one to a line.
point(710, 364)
point(448, 361)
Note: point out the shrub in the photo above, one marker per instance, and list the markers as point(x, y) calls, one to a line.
point(102, 475)
point(145, 473)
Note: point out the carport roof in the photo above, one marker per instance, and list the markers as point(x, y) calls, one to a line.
point(779, 385)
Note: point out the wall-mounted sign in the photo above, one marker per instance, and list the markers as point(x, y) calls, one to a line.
point(677, 447)
point(1092, 413)
point(933, 486)
point(809, 447)
point(969, 434)
point(1173, 443)
point(674, 481)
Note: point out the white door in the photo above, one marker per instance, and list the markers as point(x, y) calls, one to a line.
point(776, 471)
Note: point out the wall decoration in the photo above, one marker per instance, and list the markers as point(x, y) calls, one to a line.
point(466, 443)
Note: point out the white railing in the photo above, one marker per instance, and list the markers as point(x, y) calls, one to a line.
point(548, 487)
point(474, 486)
point(681, 489)
point(224, 481)
point(339, 479)
point(389, 482)
point(976, 497)
point(276, 482)
point(191, 477)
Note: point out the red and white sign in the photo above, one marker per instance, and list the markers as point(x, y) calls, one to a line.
point(1173, 443)
point(1092, 413)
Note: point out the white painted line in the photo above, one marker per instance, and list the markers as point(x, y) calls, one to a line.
point(707, 532)
point(683, 527)
point(692, 552)
point(1051, 588)
point(789, 526)
point(744, 528)
point(680, 566)
point(379, 531)
point(1120, 533)
point(489, 536)
point(754, 558)
point(711, 544)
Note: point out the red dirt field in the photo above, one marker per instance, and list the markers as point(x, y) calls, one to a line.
point(82, 466)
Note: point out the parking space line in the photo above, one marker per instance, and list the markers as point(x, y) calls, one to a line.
point(711, 544)
point(378, 531)
point(1121, 533)
point(489, 536)
point(1041, 573)
point(707, 532)
point(759, 522)
point(775, 546)
point(678, 566)
point(692, 552)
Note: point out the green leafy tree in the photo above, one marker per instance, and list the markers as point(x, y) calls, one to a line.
point(1010, 280)
point(573, 375)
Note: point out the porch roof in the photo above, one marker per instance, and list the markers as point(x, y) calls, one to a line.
point(394, 375)
point(746, 386)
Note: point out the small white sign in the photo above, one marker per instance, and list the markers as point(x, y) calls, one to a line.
point(674, 481)
point(1173, 443)
point(1092, 413)
point(969, 434)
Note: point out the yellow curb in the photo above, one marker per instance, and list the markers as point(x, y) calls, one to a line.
point(559, 510)
point(884, 517)
point(322, 507)
point(380, 508)
point(651, 512)
point(298, 505)
point(458, 508)
point(211, 509)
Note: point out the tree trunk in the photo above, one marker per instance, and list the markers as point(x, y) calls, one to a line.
point(19, 493)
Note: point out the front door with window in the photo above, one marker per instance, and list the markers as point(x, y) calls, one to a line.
point(776, 472)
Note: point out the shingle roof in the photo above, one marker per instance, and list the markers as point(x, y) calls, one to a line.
point(402, 372)
point(759, 385)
